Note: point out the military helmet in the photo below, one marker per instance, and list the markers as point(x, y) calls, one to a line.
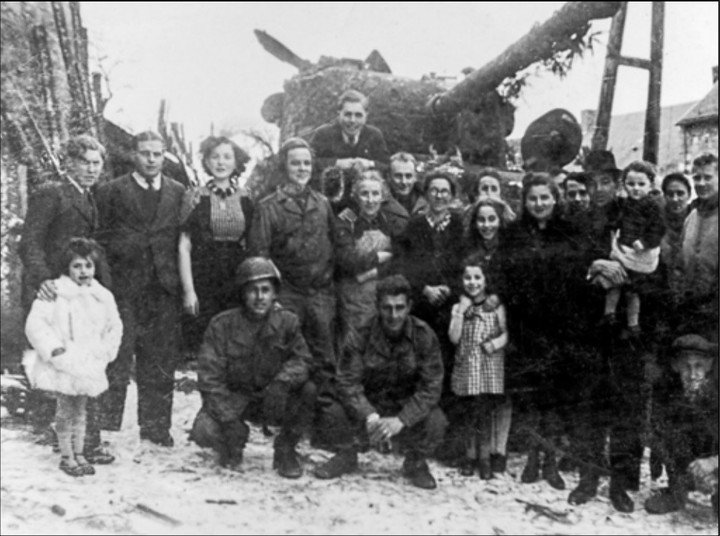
point(256, 268)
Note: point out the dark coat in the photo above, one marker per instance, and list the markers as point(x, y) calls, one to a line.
point(546, 296)
point(138, 251)
point(235, 366)
point(329, 146)
point(298, 239)
point(403, 377)
point(641, 220)
point(430, 258)
point(56, 213)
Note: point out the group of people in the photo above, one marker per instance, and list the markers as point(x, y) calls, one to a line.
point(396, 316)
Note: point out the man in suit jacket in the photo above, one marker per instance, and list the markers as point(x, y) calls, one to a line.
point(349, 141)
point(139, 227)
point(58, 211)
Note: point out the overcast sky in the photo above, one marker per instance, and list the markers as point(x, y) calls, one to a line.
point(205, 60)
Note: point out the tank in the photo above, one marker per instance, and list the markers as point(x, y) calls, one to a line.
point(417, 114)
point(397, 107)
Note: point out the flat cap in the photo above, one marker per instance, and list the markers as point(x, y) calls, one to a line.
point(694, 344)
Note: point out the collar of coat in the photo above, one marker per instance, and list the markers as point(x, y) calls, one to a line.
point(269, 329)
point(313, 201)
point(379, 341)
point(68, 289)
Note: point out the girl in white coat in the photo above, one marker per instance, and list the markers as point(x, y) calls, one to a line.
point(73, 337)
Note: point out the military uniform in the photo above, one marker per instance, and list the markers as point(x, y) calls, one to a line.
point(400, 378)
point(296, 232)
point(240, 362)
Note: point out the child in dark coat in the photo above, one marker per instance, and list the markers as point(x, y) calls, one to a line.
point(638, 231)
point(687, 412)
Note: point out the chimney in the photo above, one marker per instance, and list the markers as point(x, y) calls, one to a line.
point(714, 74)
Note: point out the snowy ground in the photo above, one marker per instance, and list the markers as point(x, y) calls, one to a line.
point(182, 483)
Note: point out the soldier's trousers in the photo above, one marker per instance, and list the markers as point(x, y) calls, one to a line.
point(151, 334)
point(316, 311)
point(207, 432)
point(347, 433)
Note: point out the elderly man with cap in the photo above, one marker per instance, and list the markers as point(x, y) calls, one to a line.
point(254, 366)
point(687, 414)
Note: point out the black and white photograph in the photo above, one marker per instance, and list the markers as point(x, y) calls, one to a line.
point(359, 268)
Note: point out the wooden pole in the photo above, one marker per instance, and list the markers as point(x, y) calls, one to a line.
point(607, 90)
point(651, 143)
point(538, 44)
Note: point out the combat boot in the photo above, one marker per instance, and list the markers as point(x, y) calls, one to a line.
point(531, 473)
point(345, 461)
point(550, 471)
point(585, 490)
point(417, 471)
point(287, 462)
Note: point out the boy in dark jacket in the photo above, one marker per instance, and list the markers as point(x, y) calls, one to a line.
point(687, 413)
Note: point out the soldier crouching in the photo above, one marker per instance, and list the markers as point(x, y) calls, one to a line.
point(389, 381)
point(254, 366)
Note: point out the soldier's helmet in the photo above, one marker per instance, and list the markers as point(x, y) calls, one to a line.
point(256, 268)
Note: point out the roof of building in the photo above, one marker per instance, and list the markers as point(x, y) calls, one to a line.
point(627, 132)
point(705, 110)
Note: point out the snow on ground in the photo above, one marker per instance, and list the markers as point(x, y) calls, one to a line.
point(37, 498)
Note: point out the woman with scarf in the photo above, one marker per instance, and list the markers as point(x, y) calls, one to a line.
point(215, 221)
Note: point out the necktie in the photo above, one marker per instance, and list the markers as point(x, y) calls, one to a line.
point(90, 202)
point(150, 183)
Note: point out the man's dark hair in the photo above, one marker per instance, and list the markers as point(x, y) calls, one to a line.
point(79, 247)
point(147, 135)
point(705, 159)
point(580, 177)
point(393, 285)
point(640, 166)
point(676, 177)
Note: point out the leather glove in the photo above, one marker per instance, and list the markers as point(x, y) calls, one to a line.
point(275, 402)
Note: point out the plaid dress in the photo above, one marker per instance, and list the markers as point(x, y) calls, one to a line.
point(475, 371)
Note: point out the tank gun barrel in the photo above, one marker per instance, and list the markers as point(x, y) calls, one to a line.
point(534, 46)
point(280, 51)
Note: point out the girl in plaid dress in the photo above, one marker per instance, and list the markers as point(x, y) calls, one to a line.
point(479, 331)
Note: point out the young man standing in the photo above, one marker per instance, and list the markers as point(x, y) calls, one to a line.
point(139, 228)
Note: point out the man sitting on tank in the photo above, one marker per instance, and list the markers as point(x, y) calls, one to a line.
point(254, 366)
point(348, 141)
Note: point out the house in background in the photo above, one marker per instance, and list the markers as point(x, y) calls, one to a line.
point(700, 126)
point(686, 130)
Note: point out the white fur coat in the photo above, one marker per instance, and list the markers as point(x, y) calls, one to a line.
point(85, 321)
